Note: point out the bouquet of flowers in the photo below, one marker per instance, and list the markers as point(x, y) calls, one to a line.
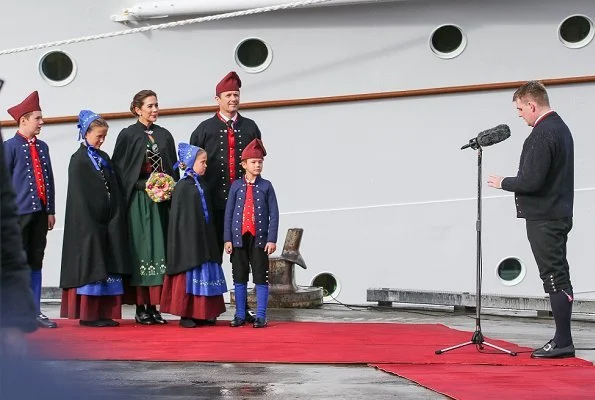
point(159, 187)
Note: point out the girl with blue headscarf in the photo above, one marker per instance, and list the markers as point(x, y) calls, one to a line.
point(194, 283)
point(95, 248)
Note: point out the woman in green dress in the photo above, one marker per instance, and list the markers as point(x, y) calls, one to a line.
point(142, 149)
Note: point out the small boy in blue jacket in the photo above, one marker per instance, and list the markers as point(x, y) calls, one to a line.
point(250, 233)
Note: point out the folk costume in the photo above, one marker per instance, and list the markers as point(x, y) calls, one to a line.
point(251, 221)
point(140, 151)
point(194, 283)
point(95, 251)
point(224, 139)
point(28, 162)
point(17, 309)
point(544, 197)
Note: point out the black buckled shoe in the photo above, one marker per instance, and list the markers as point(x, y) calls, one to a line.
point(144, 318)
point(260, 323)
point(156, 315)
point(188, 323)
point(44, 322)
point(110, 322)
point(237, 321)
point(551, 350)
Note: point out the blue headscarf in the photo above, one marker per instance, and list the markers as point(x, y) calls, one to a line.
point(85, 119)
point(187, 154)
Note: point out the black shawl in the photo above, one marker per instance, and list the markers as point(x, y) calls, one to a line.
point(95, 227)
point(191, 241)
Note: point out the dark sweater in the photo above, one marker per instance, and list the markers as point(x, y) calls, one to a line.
point(544, 185)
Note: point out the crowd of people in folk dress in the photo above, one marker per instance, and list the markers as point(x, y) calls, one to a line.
point(148, 226)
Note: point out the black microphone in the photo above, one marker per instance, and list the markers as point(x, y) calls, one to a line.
point(489, 137)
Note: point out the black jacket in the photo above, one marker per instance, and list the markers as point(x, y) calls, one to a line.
point(17, 309)
point(211, 135)
point(544, 185)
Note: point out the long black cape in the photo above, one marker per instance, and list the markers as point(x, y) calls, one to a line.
point(130, 150)
point(191, 241)
point(95, 226)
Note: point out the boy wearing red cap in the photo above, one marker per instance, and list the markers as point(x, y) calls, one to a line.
point(28, 161)
point(250, 233)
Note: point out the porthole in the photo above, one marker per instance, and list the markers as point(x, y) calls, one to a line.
point(57, 68)
point(576, 31)
point(448, 41)
point(511, 271)
point(253, 55)
point(331, 287)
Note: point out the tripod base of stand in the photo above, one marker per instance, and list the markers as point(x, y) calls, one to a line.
point(476, 339)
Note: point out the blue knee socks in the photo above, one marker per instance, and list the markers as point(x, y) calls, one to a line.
point(36, 288)
point(241, 292)
point(262, 298)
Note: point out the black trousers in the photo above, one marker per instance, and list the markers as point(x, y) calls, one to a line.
point(249, 255)
point(34, 228)
point(548, 242)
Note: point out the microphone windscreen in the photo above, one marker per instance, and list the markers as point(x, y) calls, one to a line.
point(493, 135)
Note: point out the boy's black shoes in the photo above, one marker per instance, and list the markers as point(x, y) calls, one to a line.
point(551, 350)
point(260, 323)
point(237, 321)
point(250, 316)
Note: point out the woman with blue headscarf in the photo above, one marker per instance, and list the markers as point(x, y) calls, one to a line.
point(95, 251)
point(194, 283)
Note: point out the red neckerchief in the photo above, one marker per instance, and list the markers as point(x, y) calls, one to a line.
point(248, 225)
point(37, 170)
point(231, 144)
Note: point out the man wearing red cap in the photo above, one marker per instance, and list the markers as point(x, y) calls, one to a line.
point(224, 136)
point(28, 162)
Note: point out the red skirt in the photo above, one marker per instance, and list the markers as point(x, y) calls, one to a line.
point(89, 308)
point(139, 295)
point(176, 301)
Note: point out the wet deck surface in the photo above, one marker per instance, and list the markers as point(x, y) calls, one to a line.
point(177, 381)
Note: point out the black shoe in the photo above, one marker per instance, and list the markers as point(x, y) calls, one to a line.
point(156, 315)
point(101, 323)
point(188, 323)
point(250, 316)
point(110, 322)
point(45, 322)
point(551, 350)
point(260, 323)
point(205, 322)
point(144, 318)
point(237, 321)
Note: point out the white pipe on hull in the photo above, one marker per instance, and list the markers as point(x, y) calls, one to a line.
point(161, 9)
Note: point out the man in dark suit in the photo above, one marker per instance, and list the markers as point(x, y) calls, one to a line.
point(544, 195)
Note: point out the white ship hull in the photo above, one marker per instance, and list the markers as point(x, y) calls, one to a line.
point(382, 189)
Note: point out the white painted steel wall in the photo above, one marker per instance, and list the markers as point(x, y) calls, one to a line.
point(372, 159)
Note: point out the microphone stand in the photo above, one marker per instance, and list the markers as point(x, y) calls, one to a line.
point(477, 338)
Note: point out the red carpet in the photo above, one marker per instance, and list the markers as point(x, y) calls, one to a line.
point(493, 382)
point(406, 350)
